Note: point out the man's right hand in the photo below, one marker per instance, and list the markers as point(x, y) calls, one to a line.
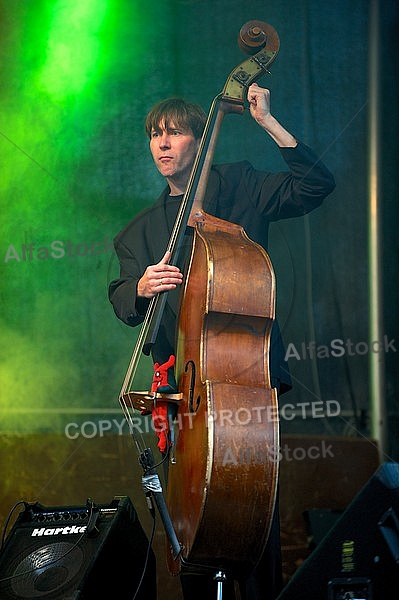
point(158, 278)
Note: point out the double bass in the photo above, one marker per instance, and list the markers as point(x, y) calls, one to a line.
point(223, 471)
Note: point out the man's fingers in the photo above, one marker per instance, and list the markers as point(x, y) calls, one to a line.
point(166, 258)
point(164, 267)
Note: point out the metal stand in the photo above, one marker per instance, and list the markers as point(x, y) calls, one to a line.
point(220, 578)
point(153, 489)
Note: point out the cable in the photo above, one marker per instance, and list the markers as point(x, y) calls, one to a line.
point(147, 556)
point(3, 537)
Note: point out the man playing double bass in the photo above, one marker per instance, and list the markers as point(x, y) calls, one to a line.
point(237, 193)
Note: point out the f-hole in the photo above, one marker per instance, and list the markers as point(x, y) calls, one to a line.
point(191, 407)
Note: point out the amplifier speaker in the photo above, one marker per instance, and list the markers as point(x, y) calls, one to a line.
point(359, 557)
point(77, 552)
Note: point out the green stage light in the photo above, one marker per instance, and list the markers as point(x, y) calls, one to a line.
point(73, 53)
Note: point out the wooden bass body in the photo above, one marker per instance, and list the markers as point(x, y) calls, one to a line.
point(222, 482)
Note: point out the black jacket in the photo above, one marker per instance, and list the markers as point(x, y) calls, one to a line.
point(237, 193)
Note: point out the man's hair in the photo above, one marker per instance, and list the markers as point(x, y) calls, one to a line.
point(178, 112)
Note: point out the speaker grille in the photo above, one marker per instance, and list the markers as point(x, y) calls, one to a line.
point(45, 570)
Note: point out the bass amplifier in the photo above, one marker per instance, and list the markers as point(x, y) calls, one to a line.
point(78, 552)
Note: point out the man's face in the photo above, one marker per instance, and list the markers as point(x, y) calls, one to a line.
point(173, 150)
